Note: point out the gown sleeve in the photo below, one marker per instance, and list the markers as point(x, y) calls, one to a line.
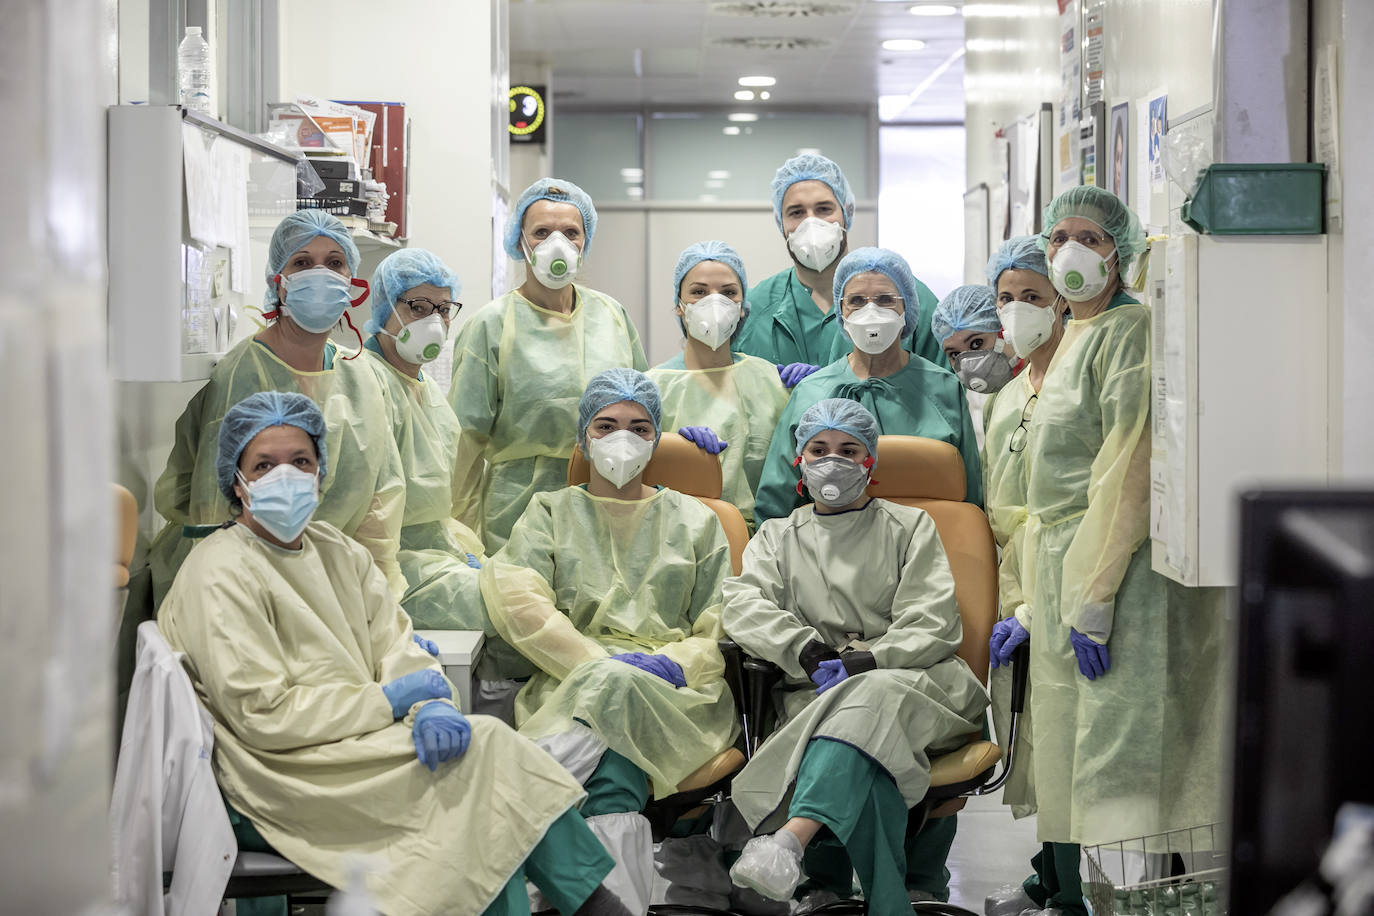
point(520, 600)
point(475, 396)
point(754, 613)
point(777, 496)
point(172, 492)
point(699, 654)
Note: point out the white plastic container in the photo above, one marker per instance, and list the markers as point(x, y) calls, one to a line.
point(193, 72)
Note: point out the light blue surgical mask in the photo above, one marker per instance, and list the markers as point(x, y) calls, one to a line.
point(283, 500)
point(316, 298)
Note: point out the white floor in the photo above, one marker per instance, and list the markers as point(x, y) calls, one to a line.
point(991, 849)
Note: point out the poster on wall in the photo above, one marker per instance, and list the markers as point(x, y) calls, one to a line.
point(1067, 162)
point(1118, 156)
point(1159, 123)
point(1094, 51)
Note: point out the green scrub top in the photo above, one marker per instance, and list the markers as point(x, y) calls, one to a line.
point(784, 325)
point(922, 399)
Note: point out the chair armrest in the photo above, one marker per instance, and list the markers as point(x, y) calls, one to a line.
point(1020, 671)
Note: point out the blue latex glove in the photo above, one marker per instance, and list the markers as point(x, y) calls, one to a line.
point(428, 645)
point(440, 733)
point(704, 438)
point(415, 687)
point(1093, 661)
point(795, 372)
point(1006, 636)
point(830, 673)
point(660, 665)
point(474, 562)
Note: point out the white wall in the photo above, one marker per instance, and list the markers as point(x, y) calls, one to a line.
point(436, 56)
point(637, 246)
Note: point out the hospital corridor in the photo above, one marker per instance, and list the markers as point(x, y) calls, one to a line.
point(687, 458)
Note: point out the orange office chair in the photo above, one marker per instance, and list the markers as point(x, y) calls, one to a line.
point(680, 465)
point(126, 509)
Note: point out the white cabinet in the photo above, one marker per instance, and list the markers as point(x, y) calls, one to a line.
point(192, 206)
point(1240, 388)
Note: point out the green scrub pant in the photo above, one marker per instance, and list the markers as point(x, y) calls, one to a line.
point(566, 865)
point(1055, 884)
point(616, 786)
point(829, 867)
point(858, 801)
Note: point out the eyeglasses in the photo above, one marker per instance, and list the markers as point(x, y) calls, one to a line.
point(1022, 432)
point(1087, 238)
point(886, 300)
point(420, 307)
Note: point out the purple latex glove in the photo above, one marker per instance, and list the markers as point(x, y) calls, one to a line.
point(1006, 636)
point(660, 665)
point(704, 438)
point(828, 674)
point(427, 644)
point(440, 733)
point(1093, 661)
point(795, 372)
point(474, 562)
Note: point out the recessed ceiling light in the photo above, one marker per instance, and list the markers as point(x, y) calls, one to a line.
point(933, 9)
point(808, 151)
point(744, 95)
point(765, 95)
point(718, 174)
point(742, 116)
point(635, 191)
point(632, 174)
point(731, 131)
point(757, 81)
point(903, 44)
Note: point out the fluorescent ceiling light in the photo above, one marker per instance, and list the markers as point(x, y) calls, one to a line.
point(718, 174)
point(765, 95)
point(731, 131)
point(742, 116)
point(933, 9)
point(635, 191)
point(808, 151)
point(715, 185)
point(632, 174)
point(757, 81)
point(744, 95)
point(903, 44)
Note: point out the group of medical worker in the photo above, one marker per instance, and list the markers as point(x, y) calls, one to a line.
point(323, 504)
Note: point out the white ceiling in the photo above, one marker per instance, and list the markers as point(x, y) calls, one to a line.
point(668, 52)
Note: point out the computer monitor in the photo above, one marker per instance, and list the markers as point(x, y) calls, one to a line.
point(1304, 724)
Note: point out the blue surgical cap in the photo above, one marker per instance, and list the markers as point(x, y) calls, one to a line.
point(1108, 211)
point(1021, 253)
point(697, 252)
point(842, 414)
point(812, 167)
point(967, 308)
point(612, 387)
point(549, 189)
point(890, 264)
point(401, 271)
point(294, 233)
point(251, 416)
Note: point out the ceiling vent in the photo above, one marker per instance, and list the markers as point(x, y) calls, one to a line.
point(782, 9)
point(770, 44)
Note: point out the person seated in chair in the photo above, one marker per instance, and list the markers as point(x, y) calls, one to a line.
point(322, 702)
point(612, 591)
point(853, 599)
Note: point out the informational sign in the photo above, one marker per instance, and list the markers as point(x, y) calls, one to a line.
point(528, 114)
point(1068, 110)
point(1094, 51)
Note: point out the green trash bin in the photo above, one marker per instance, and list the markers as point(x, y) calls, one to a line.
point(1280, 198)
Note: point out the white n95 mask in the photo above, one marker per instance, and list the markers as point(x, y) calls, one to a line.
point(1079, 273)
point(555, 261)
point(619, 456)
point(835, 481)
point(420, 341)
point(711, 319)
point(816, 242)
point(874, 328)
point(1026, 327)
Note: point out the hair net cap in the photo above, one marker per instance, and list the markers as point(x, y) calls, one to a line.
point(812, 167)
point(966, 308)
point(713, 250)
point(555, 189)
point(404, 270)
point(1021, 253)
point(1108, 211)
point(612, 387)
point(255, 413)
point(890, 264)
point(842, 414)
point(294, 233)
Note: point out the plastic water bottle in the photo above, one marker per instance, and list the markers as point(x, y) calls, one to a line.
point(193, 72)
